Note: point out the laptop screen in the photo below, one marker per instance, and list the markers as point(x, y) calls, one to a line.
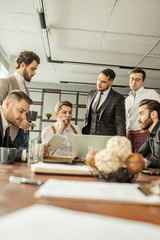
point(82, 144)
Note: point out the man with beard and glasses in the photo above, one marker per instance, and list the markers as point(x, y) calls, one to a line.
point(26, 65)
point(149, 118)
point(105, 114)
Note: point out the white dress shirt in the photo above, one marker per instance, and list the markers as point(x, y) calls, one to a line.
point(132, 106)
point(103, 98)
point(21, 81)
point(65, 149)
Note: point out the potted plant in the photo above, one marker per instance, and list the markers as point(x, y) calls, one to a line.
point(33, 125)
point(48, 115)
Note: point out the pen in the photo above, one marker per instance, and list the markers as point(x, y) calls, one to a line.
point(19, 180)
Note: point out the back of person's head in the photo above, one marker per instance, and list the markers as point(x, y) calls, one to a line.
point(139, 70)
point(109, 72)
point(62, 103)
point(152, 105)
point(27, 57)
point(18, 96)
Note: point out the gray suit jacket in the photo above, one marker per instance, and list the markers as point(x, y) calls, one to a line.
point(112, 114)
point(7, 85)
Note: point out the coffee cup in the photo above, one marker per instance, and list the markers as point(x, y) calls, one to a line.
point(7, 155)
point(31, 116)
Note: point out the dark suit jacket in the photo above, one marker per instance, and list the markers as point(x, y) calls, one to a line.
point(112, 114)
point(6, 142)
point(7, 85)
point(152, 145)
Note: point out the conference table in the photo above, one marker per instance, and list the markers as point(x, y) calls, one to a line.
point(17, 196)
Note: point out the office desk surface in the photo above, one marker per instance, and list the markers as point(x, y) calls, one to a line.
point(16, 196)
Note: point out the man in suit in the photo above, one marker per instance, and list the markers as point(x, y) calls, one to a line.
point(26, 65)
point(12, 112)
point(105, 114)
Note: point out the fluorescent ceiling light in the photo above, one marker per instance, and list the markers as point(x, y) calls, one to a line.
point(153, 55)
point(46, 43)
point(39, 6)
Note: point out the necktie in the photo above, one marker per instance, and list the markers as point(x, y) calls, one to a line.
point(5, 140)
point(97, 102)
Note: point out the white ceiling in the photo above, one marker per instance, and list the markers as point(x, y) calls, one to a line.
point(117, 33)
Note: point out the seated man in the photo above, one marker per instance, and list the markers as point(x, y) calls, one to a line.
point(149, 118)
point(63, 113)
point(13, 112)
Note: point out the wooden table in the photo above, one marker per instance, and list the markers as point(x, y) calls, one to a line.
point(16, 196)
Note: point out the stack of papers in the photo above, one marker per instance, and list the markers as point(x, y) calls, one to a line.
point(64, 169)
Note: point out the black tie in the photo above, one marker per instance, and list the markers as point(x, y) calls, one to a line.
point(6, 137)
point(97, 102)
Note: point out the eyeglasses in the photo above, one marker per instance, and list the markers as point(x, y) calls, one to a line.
point(135, 79)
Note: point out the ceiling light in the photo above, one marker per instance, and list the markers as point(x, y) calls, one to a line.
point(46, 43)
point(39, 6)
point(153, 55)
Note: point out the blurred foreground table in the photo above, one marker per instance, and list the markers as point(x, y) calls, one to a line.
point(16, 196)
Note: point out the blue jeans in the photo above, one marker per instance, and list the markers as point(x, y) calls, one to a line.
point(21, 139)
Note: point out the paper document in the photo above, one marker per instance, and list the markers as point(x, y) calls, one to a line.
point(63, 169)
point(47, 222)
point(55, 141)
point(125, 192)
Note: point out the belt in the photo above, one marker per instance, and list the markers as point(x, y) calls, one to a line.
point(138, 131)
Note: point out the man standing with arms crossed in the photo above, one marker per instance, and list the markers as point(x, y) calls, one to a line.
point(26, 65)
point(136, 135)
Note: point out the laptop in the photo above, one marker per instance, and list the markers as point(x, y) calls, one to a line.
point(82, 144)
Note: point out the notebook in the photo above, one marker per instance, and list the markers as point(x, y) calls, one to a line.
point(49, 168)
point(59, 159)
point(82, 144)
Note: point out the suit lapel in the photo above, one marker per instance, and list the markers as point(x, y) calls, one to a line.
point(1, 132)
point(15, 83)
point(106, 102)
point(90, 99)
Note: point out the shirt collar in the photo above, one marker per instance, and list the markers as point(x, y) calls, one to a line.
point(139, 91)
point(67, 128)
point(19, 77)
point(106, 91)
point(154, 130)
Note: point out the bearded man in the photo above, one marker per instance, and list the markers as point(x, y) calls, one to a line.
point(105, 113)
point(149, 118)
point(26, 65)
